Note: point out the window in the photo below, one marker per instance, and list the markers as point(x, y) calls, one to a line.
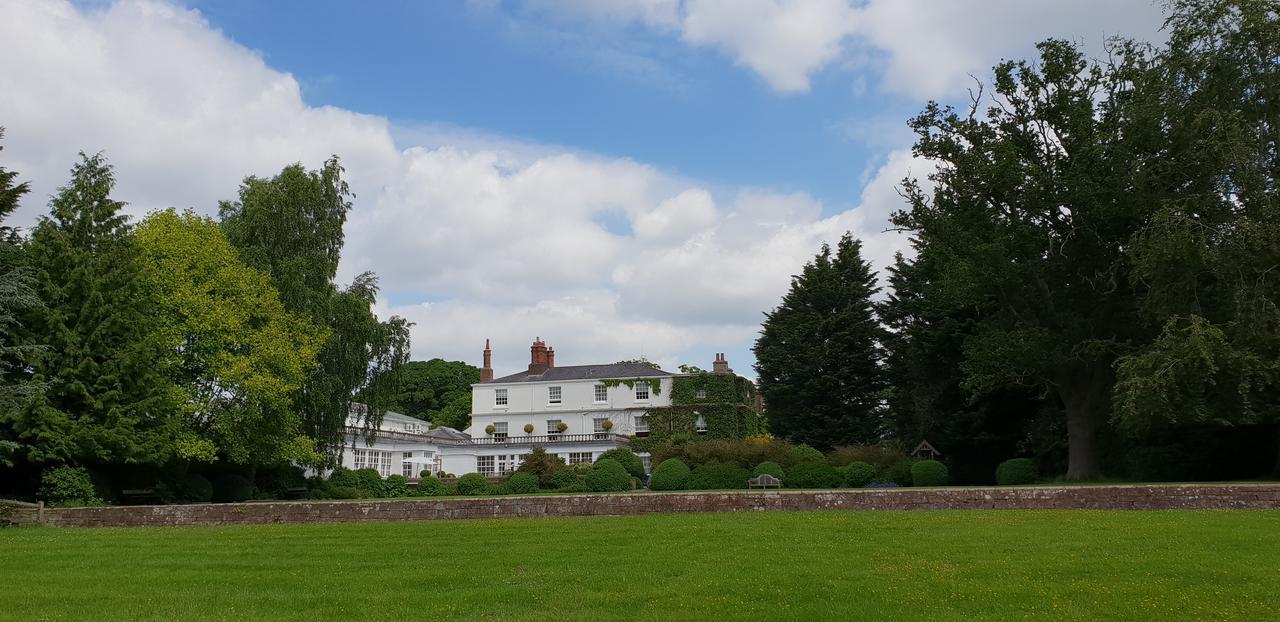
point(406, 468)
point(642, 391)
point(499, 397)
point(553, 427)
point(357, 456)
point(602, 394)
point(648, 463)
point(384, 464)
point(701, 394)
point(506, 464)
point(701, 424)
point(580, 457)
point(642, 425)
point(553, 395)
point(412, 428)
point(500, 429)
point(484, 465)
point(598, 425)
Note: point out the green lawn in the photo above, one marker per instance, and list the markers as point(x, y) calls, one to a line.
point(943, 565)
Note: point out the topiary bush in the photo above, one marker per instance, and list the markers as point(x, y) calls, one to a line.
point(627, 458)
point(369, 481)
point(67, 486)
point(608, 475)
point(772, 468)
point(472, 484)
point(858, 474)
point(395, 486)
point(343, 477)
point(718, 476)
point(800, 454)
point(568, 480)
point(670, 474)
point(929, 473)
point(197, 488)
point(898, 473)
point(231, 488)
point(813, 475)
point(522, 483)
point(429, 486)
point(1017, 472)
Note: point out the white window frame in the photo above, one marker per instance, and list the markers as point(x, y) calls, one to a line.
point(406, 468)
point(701, 394)
point(647, 391)
point(642, 424)
point(700, 424)
point(500, 429)
point(384, 464)
point(357, 459)
point(485, 465)
point(580, 457)
point(553, 427)
point(500, 398)
point(601, 394)
point(555, 396)
point(597, 425)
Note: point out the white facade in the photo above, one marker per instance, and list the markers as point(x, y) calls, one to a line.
point(578, 407)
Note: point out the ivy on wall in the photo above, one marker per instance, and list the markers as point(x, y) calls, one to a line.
point(655, 384)
point(727, 406)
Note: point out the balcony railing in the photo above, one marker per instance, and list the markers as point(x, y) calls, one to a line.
point(550, 439)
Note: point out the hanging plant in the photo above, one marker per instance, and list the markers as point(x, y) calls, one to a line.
point(528, 428)
point(490, 429)
point(562, 426)
point(607, 425)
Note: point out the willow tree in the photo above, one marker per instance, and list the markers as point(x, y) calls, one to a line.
point(291, 227)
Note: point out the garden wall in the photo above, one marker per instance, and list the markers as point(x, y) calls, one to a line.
point(1153, 497)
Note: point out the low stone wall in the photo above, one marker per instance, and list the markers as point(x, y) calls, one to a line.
point(19, 514)
point(1153, 497)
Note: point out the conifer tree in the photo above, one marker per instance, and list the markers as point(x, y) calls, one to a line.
point(819, 354)
point(17, 296)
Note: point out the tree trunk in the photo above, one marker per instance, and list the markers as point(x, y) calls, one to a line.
point(1084, 392)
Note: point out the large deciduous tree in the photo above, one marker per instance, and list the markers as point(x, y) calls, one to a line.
point(818, 355)
point(427, 387)
point(239, 355)
point(291, 227)
point(109, 398)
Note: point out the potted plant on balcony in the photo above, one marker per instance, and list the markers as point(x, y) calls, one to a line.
point(528, 428)
point(607, 425)
point(562, 426)
point(490, 429)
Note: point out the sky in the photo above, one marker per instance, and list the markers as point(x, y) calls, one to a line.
point(624, 179)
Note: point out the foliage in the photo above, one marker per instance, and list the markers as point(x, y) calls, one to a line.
point(109, 396)
point(429, 486)
point(670, 474)
point(395, 486)
point(569, 479)
point(427, 388)
point(1016, 472)
point(370, 482)
point(18, 297)
point(818, 355)
point(813, 475)
point(608, 476)
point(522, 483)
point(197, 488)
point(772, 468)
point(800, 454)
point(67, 486)
point(291, 227)
point(627, 458)
point(858, 474)
point(231, 488)
point(472, 484)
point(456, 414)
point(929, 473)
point(898, 473)
point(743, 452)
point(718, 476)
point(655, 384)
point(542, 465)
point(239, 354)
point(879, 456)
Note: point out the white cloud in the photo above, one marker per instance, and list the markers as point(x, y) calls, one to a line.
point(606, 258)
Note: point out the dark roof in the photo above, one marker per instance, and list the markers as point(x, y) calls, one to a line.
point(588, 372)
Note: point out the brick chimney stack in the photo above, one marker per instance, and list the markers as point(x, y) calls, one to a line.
point(551, 357)
point(486, 372)
point(720, 365)
point(538, 359)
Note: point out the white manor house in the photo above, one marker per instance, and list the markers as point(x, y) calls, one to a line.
point(576, 412)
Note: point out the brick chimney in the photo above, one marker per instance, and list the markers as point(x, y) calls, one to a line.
point(720, 365)
point(486, 372)
point(551, 357)
point(538, 359)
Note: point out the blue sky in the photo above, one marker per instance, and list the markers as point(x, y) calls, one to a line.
point(622, 178)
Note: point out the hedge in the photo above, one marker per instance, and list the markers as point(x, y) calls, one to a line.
point(522, 483)
point(718, 476)
point(858, 474)
point(929, 473)
point(472, 484)
point(231, 488)
point(67, 486)
point(800, 454)
point(1016, 472)
point(772, 468)
point(429, 486)
point(608, 475)
point(812, 475)
point(627, 458)
point(670, 474)
point(197, 488)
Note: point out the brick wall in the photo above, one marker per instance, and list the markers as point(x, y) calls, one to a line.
point(1155, 497)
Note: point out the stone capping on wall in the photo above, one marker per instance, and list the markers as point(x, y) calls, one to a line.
point(1121, 497)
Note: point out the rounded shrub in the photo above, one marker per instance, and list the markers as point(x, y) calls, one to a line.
point(67, 486)
point(929, 473)
point(343, 477)
point(429, 486)
point(370, 483)
point(718, 476)
point(608, 475)
point(858, 474)
point(395, 486)
point(812, 475)
point(522, 483)
point(772, 468)
point(543, 466)
point(1017, 472)
point(231, 488)
point(898, 473)
point(345, 492)
point(472, 484)
point(800, 454)
point(197, 488)
point(670, 474)
point(627, 458)
point(568, 480)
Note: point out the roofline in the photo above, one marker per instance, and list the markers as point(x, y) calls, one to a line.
point(665, 375)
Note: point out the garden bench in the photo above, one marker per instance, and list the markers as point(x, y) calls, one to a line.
point(764, 480)
point(132, 496)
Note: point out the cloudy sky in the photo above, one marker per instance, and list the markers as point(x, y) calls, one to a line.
point(623, 178)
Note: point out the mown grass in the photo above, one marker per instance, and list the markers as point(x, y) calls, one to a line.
point(944, 565)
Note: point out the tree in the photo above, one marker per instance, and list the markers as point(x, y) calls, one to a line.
point(291, 227)
point(17, 297)
point(1207, 260)
point(456, 414)
point(109, 398)
point(640, 361)
point(427, 387)
point(239, 355)
point(818, 355)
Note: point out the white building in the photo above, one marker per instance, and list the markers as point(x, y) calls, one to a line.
point(576, 412)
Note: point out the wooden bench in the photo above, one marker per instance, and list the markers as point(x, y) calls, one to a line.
point(764, 480)
point(138, 496)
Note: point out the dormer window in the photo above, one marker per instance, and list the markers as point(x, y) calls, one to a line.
point(553, 395)
point(500, 397)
